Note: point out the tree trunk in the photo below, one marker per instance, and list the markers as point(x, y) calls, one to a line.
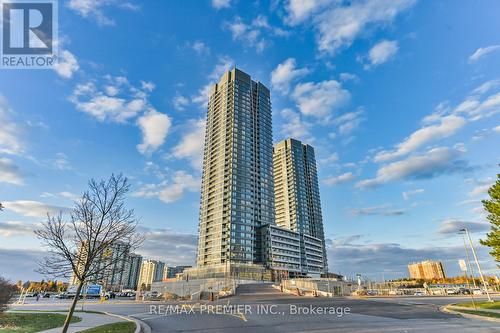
point(72, 308)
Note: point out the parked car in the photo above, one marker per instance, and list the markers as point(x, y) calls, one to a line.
point(61, 296)
point(477, 291)
point(452, 291)
point(419, 293)
point(464, 291)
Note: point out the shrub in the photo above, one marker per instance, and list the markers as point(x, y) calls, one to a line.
point(6, 292)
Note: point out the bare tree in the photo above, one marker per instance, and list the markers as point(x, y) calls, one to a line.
point(93, 240)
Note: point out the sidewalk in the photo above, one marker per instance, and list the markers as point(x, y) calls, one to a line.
point(89, 320)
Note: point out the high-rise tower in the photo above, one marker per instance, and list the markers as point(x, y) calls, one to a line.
point(297, 200)
point(237, 195)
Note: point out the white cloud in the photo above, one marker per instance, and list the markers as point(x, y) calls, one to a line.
point(61, 162)
point(180, 102)
point(10, 142)
point(200, 47)
point(448, 126)
point(118, 100)
point(408, 194)
point(300, 10)
point(253, 34)
point(482, 51)
point(111, 90)
point(17, 228)
point(496, 129)
point(9, 172)
point(481, 187)
point(447, 120)
point(339, 25)
point(218, 4)
point(436, 161)
point(294, 126)
point(340, 179)
point(192, 143)
point(320, 99)
point(69, 195)
point(285, 73)
point(333, 158)
point(115, 99)
point(65, 194)
point(345, 77)
point(66, 65)
point(154, 127)
point(33, 208)
point(348, 122)
point(224, 63)
point(476, 108)
point(148, 86)
point(246, 33)
point(382, 210)
point(480, 190)
point(203, 95)
point(172, 191)
point(382, 52)
point(94, 9)
point(486, 86)
point(452, 226)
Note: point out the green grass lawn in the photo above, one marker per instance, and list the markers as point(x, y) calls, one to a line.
point(31, 322)
point(483, 305)
point(121, 327)
point(479, 313)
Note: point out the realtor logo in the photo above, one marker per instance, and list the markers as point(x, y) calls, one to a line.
point(29, 33)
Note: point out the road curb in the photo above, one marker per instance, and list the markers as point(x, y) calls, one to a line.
point(140, 326)
point(446, 309)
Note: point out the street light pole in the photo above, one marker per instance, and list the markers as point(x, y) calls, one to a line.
point(468, 262)
point(477, 264)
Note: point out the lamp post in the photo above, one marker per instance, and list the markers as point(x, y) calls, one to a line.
point(468, 261)
point(477, 263)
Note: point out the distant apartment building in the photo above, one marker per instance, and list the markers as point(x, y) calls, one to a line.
point(297, 199)
point(159, 271)
point(117, 268)
point(147, 275)
point(172, 271)
point(426, 270)
point(151, 271)
point(134, 264)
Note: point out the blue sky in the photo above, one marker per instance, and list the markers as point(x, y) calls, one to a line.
point(401, 100)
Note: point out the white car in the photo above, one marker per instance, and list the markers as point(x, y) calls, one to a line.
point(419, 293)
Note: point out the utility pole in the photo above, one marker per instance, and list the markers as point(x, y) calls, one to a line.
point(477, 263)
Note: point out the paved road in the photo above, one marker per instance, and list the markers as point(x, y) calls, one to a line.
point(260, 308)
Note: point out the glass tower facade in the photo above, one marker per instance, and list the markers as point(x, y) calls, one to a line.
point(237, 194)
point(297, 200)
